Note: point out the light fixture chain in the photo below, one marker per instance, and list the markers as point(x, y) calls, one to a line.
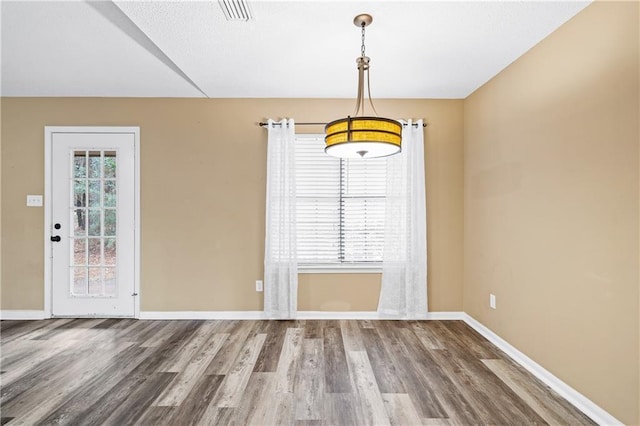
point(362, 48)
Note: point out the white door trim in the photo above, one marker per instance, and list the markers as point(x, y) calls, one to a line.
point(48, 265)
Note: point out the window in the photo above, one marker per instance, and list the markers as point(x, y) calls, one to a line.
point(340, 208)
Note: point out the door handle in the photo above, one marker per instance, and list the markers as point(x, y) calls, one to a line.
point(56, 238)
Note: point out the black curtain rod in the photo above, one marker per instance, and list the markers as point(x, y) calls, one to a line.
point(263, 124)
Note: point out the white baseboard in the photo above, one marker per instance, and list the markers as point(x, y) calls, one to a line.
point(445, 316)
point(578, 400)
point(10, 314)
point(303, 315)
point(336, 315)
point(371, 315)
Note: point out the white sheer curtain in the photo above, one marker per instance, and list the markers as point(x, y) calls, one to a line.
point(280, 254)
point(404, 266)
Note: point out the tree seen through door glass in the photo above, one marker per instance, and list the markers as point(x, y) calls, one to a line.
point(109, 164)
point(80, 165)
point(95, 164)
point(110, 223)
point(109, 251)
point(79, 222)
point(109, 192)
point(94, 223)
point(95, 252)
point(94, 193)
point(80, 192)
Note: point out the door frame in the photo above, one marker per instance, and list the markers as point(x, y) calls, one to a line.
point(49, 131)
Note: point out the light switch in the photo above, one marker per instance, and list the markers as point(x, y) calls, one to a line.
point(34, 200)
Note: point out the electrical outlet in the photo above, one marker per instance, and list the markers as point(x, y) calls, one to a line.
point(258, 285)
point(492, 301)
point(34, 200)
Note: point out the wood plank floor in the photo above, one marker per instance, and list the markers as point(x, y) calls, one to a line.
point(121, 372)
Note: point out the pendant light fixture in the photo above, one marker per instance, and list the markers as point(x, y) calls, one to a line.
point(363, 136)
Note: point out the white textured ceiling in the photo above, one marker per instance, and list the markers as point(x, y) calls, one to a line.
point(303, 49)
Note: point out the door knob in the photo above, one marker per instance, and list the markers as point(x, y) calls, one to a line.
point(56, 238)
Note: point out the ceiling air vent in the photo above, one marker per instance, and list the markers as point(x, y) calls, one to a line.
point(236, 10)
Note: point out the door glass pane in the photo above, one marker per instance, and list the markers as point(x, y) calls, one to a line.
point(79, 281)
point(95, 254)
point(94, 222)
point(79, 222)
point(80, 193)
point(109, 164)
point(95, 281)
point(110, 193)
point(79, 251)
point(79, 164)
point(95, 164)
point(109, 251)
point(110, 281)
point(94, 193)
point(110, 222)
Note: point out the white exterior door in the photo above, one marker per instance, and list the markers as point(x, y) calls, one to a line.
point(92, 232)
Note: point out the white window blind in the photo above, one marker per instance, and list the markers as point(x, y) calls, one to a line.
point(340, 207)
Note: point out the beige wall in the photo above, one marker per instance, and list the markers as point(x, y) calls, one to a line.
point(203, 194)
point(324, 292)
point(551, 205)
